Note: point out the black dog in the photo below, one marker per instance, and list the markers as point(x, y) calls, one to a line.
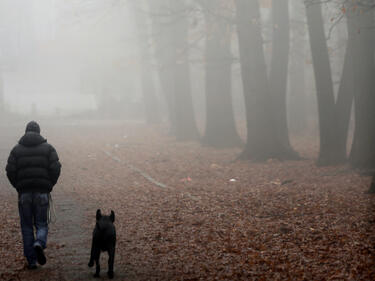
point(104, 239)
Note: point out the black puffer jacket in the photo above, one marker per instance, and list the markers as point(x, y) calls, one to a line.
point(33, 164)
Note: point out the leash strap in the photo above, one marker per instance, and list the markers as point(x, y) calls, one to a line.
point(51, 214)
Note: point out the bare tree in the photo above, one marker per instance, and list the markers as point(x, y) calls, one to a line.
point(279, 75)
point(361, 23)
point(267, 132)
point(260, 134)
point(220, 124)
point(297, 99)
point(170, 33)
point(148, 88)
point(333, 115)
point(163, 52)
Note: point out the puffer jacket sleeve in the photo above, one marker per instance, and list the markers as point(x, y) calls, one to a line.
point(11, 168)
point(54, 165)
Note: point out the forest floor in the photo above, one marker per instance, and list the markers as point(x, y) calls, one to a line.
point(190, 212)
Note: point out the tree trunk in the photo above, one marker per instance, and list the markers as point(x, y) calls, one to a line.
point(220, 124)
point(261, 136)
point(297, 101)
point(184, 112)
point(344, 101)
point(279, 75)
point(148, 88)
point(363, 152)
point(163, 51)
point(329, 153)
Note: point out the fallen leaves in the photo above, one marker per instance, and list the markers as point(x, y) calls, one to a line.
point(275, 221)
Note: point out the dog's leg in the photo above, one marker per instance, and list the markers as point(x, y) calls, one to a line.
point(111, 254)
point(97, 262)
point(91, 262)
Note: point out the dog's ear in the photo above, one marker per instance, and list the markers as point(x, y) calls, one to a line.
point(112, 216)
point(98, 214)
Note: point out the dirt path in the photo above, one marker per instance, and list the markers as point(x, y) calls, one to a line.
point(69, 239)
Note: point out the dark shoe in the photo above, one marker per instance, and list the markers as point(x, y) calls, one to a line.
point(41, 258)
point(32, 266)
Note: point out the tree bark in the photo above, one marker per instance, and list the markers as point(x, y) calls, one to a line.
point(344, 101)
point(261, 136)
point(361, 28)
point(297, 100)
point(150, 100)
point(278, 77)
point(184, 112)
point(265, 105)
point(163, 52)
point(329, 153)
point(220, 124)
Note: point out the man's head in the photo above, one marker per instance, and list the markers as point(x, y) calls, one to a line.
point(32, 126)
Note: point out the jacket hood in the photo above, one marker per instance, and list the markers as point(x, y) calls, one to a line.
point(32, 126)
point(31, 139)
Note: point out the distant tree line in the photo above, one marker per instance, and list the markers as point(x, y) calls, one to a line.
point(164, 25)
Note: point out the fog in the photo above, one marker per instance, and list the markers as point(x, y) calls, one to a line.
point(63, 56)
point(234, 139)
point(202, 67)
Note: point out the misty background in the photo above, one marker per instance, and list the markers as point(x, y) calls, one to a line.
point(207, 68)
point(234, 139)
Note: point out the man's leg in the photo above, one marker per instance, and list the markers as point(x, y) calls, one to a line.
point(41, 202)
point(25, 207)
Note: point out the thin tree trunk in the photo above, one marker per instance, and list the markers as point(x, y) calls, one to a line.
point(329, 153)
point(220, 124)
point(163, 51)
point(148, 88)
point(279, 75)
point(185, 120)
point(297, 102)
point(344, 101)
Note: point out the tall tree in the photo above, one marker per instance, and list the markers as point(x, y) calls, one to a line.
point(220, 124)
point(297, 99)
point(334, 115)
point(185, 120)
point(361, 28)
point(264, 104)
point(344, 100)
point(170, 29)
point(278, 77)
point(148, 88)
point(161, 31)
point(329, 152)
point(260, 134)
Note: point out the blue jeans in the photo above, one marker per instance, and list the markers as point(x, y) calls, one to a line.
point(33, 208)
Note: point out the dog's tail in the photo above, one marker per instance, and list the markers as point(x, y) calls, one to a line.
point(51, 215)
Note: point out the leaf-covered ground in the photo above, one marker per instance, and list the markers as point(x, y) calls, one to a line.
point(189, 212)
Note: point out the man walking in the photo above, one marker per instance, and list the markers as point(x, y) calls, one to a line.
point(33, 169)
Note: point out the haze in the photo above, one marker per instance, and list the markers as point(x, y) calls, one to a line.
point(234, 139)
